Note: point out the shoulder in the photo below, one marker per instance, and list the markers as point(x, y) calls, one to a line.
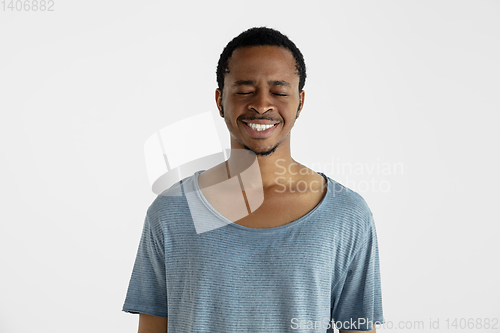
point(351, 207)
point(171, 201)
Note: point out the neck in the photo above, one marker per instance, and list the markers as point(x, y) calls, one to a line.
point(271, 171)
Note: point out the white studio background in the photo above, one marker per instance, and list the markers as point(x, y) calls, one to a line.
point(401, 105)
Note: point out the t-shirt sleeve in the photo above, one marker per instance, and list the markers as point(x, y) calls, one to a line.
point(357, 297)
point(147, 290)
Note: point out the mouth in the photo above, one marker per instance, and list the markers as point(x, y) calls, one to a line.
point(260, 125)
point(260, 130)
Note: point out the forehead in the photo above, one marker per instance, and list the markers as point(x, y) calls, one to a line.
point(271, 62)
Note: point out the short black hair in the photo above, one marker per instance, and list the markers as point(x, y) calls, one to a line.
point(259, 36)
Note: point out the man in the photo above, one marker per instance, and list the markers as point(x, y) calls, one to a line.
point(306, 259)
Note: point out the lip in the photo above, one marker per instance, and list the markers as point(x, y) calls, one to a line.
point(260, 122)
point(262, 134)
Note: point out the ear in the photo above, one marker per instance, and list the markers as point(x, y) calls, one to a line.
point(218, 101)
point(302, 96)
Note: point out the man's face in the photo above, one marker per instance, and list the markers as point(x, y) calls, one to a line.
point(262, 84)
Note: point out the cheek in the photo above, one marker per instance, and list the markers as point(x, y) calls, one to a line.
point(287, 106)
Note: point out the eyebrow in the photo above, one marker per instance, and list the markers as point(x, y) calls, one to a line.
point(252, 82)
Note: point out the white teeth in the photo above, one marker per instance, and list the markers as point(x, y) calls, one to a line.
point(259, 127)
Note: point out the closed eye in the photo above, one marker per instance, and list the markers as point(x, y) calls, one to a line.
point(277, 94)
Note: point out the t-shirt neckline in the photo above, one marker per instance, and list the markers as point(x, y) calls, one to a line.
point(239, 226)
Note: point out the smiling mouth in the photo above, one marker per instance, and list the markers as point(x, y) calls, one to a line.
point(260, 127)
point(259, 131)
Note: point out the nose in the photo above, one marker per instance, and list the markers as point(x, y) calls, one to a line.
point(261, 103)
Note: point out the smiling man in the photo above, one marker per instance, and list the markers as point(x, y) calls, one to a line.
point(304, 259)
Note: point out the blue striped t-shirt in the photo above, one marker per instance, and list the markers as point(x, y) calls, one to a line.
point(207, 274)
